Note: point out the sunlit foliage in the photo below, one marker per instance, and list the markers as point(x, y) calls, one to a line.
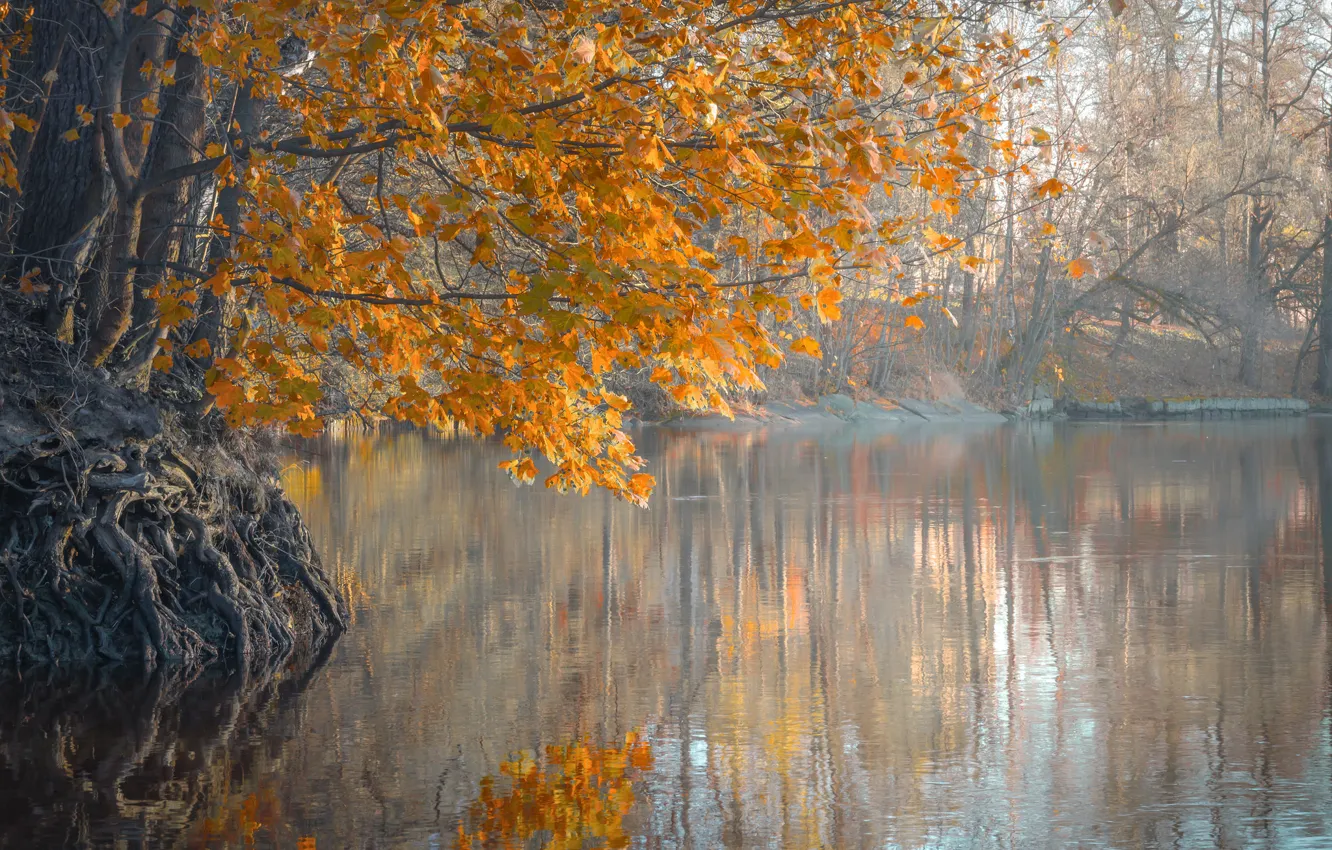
point(480, 209)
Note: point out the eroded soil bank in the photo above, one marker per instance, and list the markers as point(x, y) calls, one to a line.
point(131, 536)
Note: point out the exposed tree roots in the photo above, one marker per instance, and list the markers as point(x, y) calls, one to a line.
point(127, 541)
point(133, 555)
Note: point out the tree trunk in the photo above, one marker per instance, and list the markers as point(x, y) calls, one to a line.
point(1324, 385)
point(50, 209)
point(160, 234)
point(126, 148)
point(1261, 213)
point(246, 114)
point(57, 223)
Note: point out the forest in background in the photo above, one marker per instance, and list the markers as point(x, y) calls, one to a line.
point(1153, 221)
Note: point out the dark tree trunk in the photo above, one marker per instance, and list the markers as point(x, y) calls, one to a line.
point(52, 207)
point(1261, 213)
point(214, 308)
point(111, 303)
point(160, 234)
point(1325, 314)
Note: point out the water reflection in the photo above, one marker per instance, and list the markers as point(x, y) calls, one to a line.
point(164, 762)
point(1017, 638)
point(1014, 638)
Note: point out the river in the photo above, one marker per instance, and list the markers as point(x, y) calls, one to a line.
point(1016, 637)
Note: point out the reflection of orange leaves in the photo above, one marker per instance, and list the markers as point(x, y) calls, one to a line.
point(578, 794)
point(236, 821)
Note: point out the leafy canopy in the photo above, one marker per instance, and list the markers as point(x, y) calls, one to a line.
point(483, 208)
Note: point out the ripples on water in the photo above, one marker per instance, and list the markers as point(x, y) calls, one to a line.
point(1044, 636)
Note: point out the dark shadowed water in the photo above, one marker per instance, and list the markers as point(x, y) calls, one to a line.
point(1028, 637)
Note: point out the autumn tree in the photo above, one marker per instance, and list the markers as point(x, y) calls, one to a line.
point(481, 208)
point(458, 214)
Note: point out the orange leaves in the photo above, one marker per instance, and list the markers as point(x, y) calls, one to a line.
point(577, 196)
point(227, 393)
point(1051, 188)
point(914, 323)
point(523, 470)
point(940, 242)
point(827, 304)
point(640, 487)
point(806, 345)
point(1079, 267)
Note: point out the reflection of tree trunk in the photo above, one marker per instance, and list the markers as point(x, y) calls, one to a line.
point(1324, 385)
point(1256, 533)
point(81, 759)
point(1324, 447)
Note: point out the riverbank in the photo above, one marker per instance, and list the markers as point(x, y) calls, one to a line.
point(838, 411)
point(835, 411)
point(137, 536)
point(1162, 408)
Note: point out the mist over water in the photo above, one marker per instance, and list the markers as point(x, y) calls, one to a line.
point(1038, 636)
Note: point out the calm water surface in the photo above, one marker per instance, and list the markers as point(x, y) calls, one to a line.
point(1046, 636)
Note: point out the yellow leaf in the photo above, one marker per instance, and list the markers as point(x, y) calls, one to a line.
point(120, 120)
point(71, 135)
point(914, 322)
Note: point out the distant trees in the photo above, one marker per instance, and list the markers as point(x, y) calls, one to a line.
point(1164, 161)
